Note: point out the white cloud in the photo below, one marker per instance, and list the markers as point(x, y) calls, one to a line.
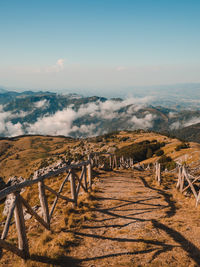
point(194, 120)
point(7, 128)
point(88, 130)
point(63, 122)
point(109, 109)
point(41, 104)
point(143, 123)
point(58, 67)
point(18, 114)
point(172, 114)
point(14, 129)
point(175, 125)
point(58, 124)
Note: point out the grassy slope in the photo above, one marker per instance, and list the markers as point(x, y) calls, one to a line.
point(21, 157)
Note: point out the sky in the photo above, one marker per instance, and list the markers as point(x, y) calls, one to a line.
point(88, 46)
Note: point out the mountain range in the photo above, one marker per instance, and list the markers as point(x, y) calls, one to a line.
point(49, 113)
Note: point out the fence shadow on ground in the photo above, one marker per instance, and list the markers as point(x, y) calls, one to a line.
point(167, 197)
point(62, 261)
point(192, 251)
point(158, 250)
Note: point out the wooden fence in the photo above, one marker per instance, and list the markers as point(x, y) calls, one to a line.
point(114, 162)
point(96, 160)
point(18, 202)
point(185, 180)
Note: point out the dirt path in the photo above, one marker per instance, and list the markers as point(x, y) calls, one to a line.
point(136, 224)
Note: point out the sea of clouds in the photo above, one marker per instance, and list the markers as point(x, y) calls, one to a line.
point(85, 120)
point(63, 122)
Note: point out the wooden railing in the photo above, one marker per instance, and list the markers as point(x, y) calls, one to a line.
point(187, 181)
point(40, 177)
point(18, 201)
point(114, 162)
point(95, 158)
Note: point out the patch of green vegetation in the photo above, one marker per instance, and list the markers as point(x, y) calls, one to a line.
point(166, 163)
point(123, 139)
point(159, 152)
point(139, 151)
point(182, 146)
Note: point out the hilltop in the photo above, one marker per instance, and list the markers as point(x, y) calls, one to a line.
point(23, 155)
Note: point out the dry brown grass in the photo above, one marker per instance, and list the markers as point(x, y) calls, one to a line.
point(55, 243)
point(23, 156)
point(52, 245)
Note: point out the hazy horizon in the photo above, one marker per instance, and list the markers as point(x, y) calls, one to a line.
point(190, 90)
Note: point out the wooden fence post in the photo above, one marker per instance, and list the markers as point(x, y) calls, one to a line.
point(179, 177)
point(198, 198)
point(89, 172)
point(121, 162)
point(95, 159)
point(85, 177)
point(110, 159)
point(158, 173)
point(115, 160)
point(8, 219)
point(73, 188)
point(156, 169)
point(182, 178)
point(43, 202)
point(20, 226)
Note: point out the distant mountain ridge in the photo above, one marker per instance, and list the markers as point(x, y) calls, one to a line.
point(190, 133)
point(74, 115)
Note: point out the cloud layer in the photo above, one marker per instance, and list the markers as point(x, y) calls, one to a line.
point(88, 119)
point(82, 117)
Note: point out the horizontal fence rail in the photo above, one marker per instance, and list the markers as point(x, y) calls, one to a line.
point(18, 203)
point(185, 180)
point(79, 176)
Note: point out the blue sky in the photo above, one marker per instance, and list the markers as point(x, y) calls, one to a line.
point(98, 44)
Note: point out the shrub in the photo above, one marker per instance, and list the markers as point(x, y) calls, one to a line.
point(99, 139)
point(170, 165)
point(162, 144)
point(139, 151)
point(164, 159)
point(166, 163)
point(123, 139)
point(182, 146)
point(159, 152)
